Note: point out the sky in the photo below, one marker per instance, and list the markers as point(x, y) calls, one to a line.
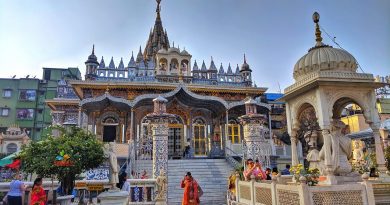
point(272, 34)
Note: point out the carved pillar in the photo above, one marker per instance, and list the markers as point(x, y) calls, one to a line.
point(254, 134)
point(380, 158)
point(159, 120)
point(132, 125)
point(294, 150)
point(79, 118)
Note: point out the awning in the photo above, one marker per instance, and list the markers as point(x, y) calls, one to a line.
point(8, 159)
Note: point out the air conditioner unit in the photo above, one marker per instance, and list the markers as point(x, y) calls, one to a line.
point(43, 81)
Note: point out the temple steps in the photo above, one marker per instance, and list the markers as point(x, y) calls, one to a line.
point(211, 174)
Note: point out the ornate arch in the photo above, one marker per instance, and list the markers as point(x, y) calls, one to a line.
point(296, 107)
point(109, 114)
point(357, 97)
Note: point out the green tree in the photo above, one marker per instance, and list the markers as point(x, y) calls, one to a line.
point(64, 157)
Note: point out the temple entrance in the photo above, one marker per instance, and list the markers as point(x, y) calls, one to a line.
point(110, 125)
point(175, 141)
point(109, 133)
point(200, 140)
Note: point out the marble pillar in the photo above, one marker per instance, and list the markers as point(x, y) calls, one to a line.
point(380, 158)
point(255, 131)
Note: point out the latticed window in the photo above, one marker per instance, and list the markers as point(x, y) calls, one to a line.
point(234, 133)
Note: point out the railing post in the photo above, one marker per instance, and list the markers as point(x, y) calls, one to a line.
point(304, 191)
point(369, 189)
point(273, 189)
point(253, 193)
point(237, 187)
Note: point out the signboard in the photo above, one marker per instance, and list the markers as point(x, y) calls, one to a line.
point(95, 187)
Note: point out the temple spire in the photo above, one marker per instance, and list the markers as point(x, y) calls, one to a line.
point(158, 38)
point(244, 58)
point(93, 49)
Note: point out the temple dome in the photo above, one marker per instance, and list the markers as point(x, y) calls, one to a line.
point(324, 58)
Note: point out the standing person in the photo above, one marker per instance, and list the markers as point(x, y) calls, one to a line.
point(16, 189)
point(286, 171)
point(191, 190)
point(38, 194)
point(186, 153)
point(268, 173)
point(125, 185)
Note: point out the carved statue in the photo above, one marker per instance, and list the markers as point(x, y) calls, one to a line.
point(161, 182)
point(110, 153)
point(358, 154)
point(314, 159)
point(341, 149)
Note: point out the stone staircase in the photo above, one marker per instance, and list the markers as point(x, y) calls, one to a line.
point(211, 174)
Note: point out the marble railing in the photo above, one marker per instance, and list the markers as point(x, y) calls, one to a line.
point(48, 186)
point(278, 191)
point(142, 191)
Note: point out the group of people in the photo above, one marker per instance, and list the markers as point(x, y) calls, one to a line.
point(255, 169)
point(17, 188)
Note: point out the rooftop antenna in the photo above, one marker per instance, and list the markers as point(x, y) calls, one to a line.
point(13, 77)
point(27, 76)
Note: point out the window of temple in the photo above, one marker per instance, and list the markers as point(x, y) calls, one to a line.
point(12, 148)
point(101, 74)
point(120, 75)
point(234, 132)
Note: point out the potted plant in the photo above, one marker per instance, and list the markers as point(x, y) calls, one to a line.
point(311, 175)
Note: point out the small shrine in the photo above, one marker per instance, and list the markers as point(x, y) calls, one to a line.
point(12, 140)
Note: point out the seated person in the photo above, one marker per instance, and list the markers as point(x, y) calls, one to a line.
point(286, 171)
point(255, 170)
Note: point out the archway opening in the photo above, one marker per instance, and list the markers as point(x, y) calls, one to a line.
point(308, 132)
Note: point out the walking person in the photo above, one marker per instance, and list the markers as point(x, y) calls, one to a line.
point(192, 190)
point(38, 194)
point(16, 190)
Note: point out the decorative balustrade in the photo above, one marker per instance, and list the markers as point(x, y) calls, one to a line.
point(282, 191)
point(142, 191)
point(48, 186)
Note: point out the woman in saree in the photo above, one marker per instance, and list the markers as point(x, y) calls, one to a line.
point(190, 196)
point(38, 194)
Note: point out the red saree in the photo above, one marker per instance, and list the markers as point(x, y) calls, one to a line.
point(190, 196)
point(38, 196)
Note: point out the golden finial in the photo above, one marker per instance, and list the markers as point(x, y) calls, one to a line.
point(316, 19)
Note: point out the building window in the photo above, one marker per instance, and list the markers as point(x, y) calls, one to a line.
point(25, 114)
point(234, 133)
point(276, 124)
point(27, 95)
point(12, 148)
point(7, 93)
point(4, 111)
point(47, 74)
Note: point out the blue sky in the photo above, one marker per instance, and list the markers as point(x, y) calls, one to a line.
point(273, 34)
